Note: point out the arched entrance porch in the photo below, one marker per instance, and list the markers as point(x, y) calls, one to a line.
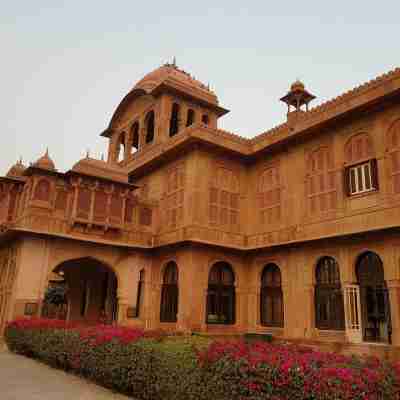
point(91, 290)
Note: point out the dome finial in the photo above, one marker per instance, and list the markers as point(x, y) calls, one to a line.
point(45, 161)
point(174, 61)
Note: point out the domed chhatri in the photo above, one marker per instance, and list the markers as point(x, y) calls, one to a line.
point(16, 170)
point(45, 162)
point(297, 96)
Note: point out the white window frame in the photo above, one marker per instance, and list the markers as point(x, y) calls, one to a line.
point(361, 183)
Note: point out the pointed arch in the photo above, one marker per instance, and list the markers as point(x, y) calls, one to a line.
point(374, 298)
point(42, 190)
point(221, 294)
point(169, 293)
point(329, 305)
point(271, 301)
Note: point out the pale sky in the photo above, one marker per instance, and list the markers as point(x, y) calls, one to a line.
point(65, 66)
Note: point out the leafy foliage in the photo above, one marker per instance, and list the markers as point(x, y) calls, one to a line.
point(55, 295)
point(150, 365)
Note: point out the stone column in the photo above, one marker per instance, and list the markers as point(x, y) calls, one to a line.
point(128, 144)
point(394, 299)
point(123, 304)
point(182, 116)
point(240, 297)
point(203, 309)
point(307, 329)
point(253, 307)
point(287, 312)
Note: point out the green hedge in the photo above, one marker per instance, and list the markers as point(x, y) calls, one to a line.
point(150, 366)
point(147, 369)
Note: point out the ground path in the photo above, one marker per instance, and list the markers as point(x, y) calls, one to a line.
point(24, 379)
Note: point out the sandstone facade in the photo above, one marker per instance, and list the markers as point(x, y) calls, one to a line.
point(187, 227)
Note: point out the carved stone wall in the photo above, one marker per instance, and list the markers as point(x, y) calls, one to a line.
point(269, 196)
point(8, 272)
point(321, 181)
point(224, 197)
point(174, 192)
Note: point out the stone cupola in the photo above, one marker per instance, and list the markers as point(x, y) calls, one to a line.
point(296, 99)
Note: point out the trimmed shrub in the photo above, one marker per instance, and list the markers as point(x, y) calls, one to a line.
point(153, 366)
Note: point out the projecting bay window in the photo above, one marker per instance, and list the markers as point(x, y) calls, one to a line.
point(361, 178)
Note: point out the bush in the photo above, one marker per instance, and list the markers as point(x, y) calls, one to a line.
point(153, 366)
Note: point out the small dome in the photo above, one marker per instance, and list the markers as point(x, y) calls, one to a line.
point(45, 162)
point(16, 170)
point(297, 85)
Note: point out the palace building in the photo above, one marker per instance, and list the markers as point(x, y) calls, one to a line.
point(186, 227)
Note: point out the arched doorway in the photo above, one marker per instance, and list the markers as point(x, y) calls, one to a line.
point(271, 297)
point(169, 294)
point(221, 295)
point(329, 305)
point(374, 299)
point(91, 290)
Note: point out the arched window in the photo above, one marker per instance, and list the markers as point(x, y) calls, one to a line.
point(321, 181)
point(221, 295)
point(190, 117)
point(174, 121)
point(169, 294)
point(205, 119)
point(150, 126)
point(361, 173)
point(135, 137)
point(329, 308)
point(271, 296)
point(374, 298)
point(42, 190)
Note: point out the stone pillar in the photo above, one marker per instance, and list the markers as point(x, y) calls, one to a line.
point(253, 307)
point(203, 309)
point(240, 302)
point(394, 299)
point(128, 145)
point(182, 116)
point(123, 304)
point(287, 312)
point(306, 330)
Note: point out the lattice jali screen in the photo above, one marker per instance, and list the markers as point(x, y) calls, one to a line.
point(321, 181)
point(224, 199)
